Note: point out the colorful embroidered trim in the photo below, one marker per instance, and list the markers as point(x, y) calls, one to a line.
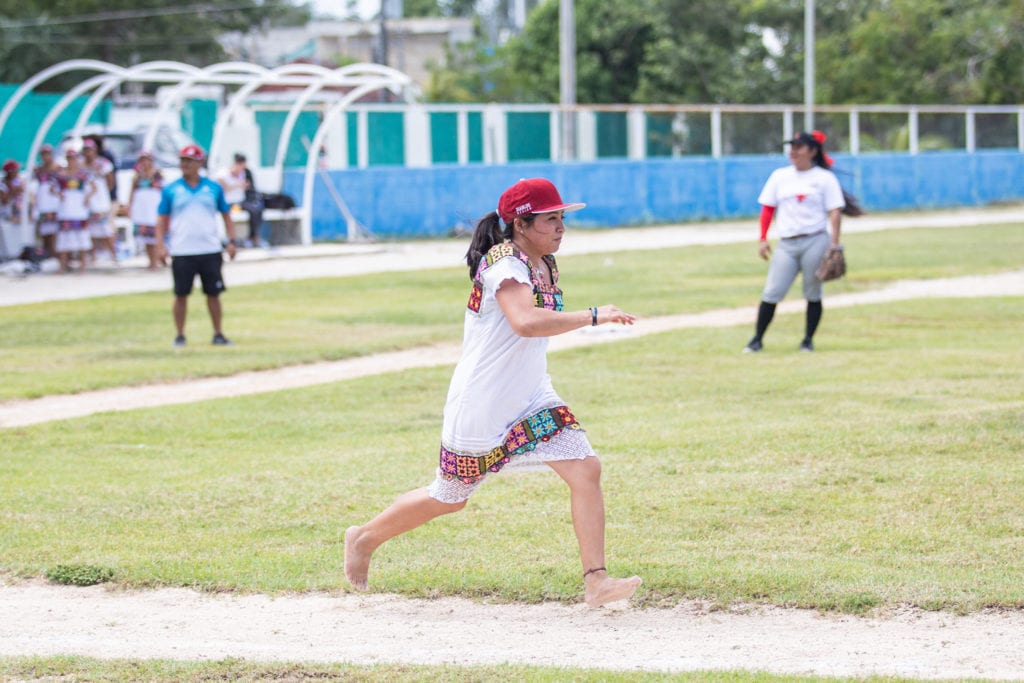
point(545, 295)
point(551, 300)
point(521, 438)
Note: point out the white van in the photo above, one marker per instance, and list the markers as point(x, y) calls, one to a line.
point(126, 144)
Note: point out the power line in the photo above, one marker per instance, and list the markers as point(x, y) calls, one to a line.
point(46, 20)
point(96, 41)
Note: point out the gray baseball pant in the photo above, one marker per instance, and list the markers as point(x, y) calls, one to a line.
point(791, 256)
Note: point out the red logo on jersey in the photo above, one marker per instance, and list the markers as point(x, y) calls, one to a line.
point(801, 197)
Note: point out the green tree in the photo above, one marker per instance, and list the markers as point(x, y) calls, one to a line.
point(927, 52)
point(468, 75)
point(35, 34)
point(439, 8)
point(752, 51)
point(709, 51)
point(611, 44)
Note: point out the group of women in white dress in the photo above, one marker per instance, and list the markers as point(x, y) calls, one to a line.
point(72, 204)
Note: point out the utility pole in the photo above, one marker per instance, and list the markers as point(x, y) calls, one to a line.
point(567, 76)
point(808, 65)
point(382, 36)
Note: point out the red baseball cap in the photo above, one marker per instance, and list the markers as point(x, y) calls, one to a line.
point(11, 165)
point(532, 195)
point(192, 152)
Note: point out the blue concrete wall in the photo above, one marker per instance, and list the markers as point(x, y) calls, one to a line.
point(423, 202)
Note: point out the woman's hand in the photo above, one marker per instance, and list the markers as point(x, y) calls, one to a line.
point(612, 314)
point(519, 306)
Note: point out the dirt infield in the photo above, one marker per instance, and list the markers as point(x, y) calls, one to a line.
point(181, 624)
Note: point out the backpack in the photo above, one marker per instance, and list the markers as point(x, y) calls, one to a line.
point(278, 201)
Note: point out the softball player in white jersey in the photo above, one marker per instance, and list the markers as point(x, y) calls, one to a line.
point(807, 201)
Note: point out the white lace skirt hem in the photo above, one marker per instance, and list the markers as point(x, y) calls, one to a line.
point(569, 444)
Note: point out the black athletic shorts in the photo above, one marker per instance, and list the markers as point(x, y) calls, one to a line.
point(206, 266)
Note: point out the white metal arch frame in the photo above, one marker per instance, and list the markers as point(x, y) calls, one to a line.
point(241, 96)
point(316, 78)
point(293, 115)
point(100, 93)
point(361, 78)
point(111, 76)
point(318, 140)
point(364, 73)
point(218, 73)
point(48, 73)
point(28, 86)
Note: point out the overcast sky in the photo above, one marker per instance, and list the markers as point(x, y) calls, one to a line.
point(367, 8)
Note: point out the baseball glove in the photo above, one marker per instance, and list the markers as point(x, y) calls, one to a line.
point(833, 264)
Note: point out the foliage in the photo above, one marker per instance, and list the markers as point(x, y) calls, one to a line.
point(927, 52)
point(467, 75)
point(752, 51)
point(708, 52)
point(611, 39)
point(438, 8)
point(79, 574)
point(610, 46)
point(646, 51)
point(33, 35)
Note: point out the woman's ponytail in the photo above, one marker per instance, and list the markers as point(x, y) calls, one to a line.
point(487, 233)
point(852, 207)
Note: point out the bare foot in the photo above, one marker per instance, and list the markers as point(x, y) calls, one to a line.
point(357, 564)
point(602, 589)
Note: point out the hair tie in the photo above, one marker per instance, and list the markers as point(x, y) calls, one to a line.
point(819, 136)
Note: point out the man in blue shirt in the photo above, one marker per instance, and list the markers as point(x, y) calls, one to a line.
point(188, 209)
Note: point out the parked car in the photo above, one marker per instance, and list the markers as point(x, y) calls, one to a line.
point(125, 145)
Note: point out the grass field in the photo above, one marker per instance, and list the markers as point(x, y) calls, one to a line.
point(883, 470)
point(99, 671)
point(72, 346)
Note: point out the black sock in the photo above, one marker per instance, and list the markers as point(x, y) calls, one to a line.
point(765, 313)
point(813, 318)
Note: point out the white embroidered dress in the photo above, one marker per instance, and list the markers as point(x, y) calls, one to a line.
point(502, 408)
